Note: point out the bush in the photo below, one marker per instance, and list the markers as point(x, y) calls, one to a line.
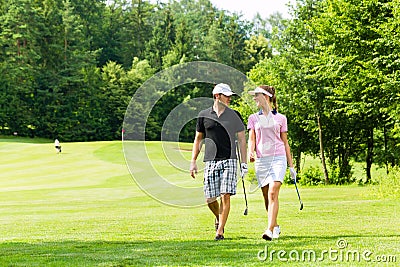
point(251, 176)
point(311, 176)
point(336, 175)
point(389, 185)
point(345, 174)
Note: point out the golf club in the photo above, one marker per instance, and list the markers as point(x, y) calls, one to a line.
point(298, 194)
point(244, 189)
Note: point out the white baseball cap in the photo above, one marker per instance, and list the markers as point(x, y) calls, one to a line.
point(260, 90)
point(222, 88)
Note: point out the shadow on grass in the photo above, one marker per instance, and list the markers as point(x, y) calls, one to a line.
point(239, 251)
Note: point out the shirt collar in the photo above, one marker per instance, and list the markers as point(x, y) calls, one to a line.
point(273, 112)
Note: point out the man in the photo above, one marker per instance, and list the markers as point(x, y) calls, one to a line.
point(219, 126)
point(57, 145)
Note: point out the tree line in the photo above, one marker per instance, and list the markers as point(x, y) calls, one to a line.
point(337, 71)
point(68, 69)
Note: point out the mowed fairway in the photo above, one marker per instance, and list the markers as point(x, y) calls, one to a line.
point(83, 208)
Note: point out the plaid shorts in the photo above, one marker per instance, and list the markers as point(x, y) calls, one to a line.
point(220, 177)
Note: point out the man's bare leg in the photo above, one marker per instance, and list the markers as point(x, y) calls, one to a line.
point(214, 207)
point(224, 212)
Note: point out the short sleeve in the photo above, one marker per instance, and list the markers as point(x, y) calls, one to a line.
point(240, 123)
point(200, 125)
point(250, 123)
point(284, 127)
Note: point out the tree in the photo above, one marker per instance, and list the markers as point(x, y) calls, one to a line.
point(354, 37)
point(337, 57)
point(257, 49)
point(135, 29)
point(163, 37)
point(20, 25)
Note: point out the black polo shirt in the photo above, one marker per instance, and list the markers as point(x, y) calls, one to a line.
point(219, 133)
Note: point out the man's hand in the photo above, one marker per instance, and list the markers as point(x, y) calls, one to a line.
point(243, 169)
point(293, 173)
point(193, 169)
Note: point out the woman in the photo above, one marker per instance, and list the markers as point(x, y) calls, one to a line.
point(268, 138)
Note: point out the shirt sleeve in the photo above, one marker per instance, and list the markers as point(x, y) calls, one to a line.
point(250, 123)
point(284, 127)
point(240, 125)
point(200, 125)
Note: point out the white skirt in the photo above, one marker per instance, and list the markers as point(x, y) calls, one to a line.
point(270, 169)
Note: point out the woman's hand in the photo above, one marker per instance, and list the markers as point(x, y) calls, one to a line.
point(252, 157)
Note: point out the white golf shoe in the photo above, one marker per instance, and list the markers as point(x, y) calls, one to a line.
point(267, 235)
point(276, 232)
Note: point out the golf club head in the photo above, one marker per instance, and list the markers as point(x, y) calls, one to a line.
point(245, 212)
point(301, 206)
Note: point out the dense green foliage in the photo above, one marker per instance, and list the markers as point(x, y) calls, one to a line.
point(337, 70)
point(68, 69)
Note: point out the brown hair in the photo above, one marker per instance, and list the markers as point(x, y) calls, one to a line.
point(271, 90)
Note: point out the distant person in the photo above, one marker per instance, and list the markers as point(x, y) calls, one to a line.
point(57, 145)
point(268, 138)
point(219, 126)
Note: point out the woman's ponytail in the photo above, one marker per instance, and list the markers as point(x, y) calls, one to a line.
point(273, 99)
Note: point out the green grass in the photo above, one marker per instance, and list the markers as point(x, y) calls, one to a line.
point(82, 208)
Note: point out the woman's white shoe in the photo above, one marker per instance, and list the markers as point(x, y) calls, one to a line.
point(267, 235)
point(276, 232)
